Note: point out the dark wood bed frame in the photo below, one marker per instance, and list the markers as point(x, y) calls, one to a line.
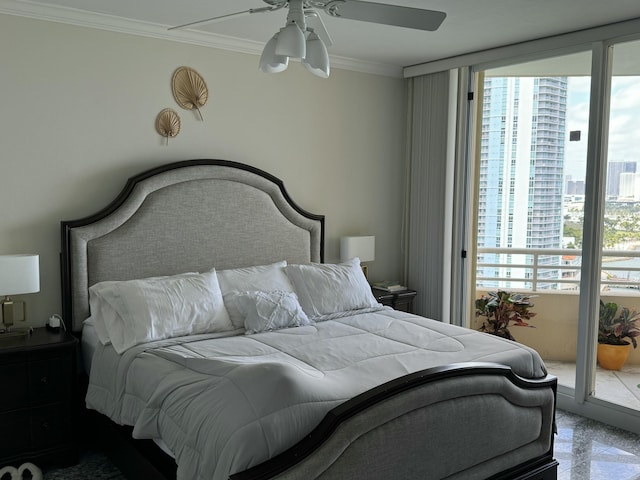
point(138, 459)
point(142, 459)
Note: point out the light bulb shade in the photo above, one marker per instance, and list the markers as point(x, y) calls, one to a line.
point(362, 247)
point(291, 42)
point(270, 62)
point(19, 274)
point(317, 58)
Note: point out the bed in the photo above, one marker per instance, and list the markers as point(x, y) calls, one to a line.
point(218, 344)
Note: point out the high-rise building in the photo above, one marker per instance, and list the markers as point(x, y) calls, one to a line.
point(575, 187)
point(629, 186)
point(614, 170)
point(521, 172)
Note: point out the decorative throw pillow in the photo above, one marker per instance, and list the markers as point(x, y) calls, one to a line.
point(266, 311)
point(266, 278)
point(140, 311)
point(323, 289)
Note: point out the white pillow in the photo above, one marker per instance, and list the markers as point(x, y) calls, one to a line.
point(266, 278)
point(102, 314)
point(100, 329)
point(323, 289)
point(266, 311)
point(140, 311)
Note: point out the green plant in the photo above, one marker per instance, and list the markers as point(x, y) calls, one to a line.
point(614, 327)
point(501, 309)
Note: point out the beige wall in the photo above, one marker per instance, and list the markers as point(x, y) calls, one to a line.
point(555, 335)
point(77, 113)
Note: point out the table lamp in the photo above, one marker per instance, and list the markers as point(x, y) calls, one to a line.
point(19, 274)
point(363, 247)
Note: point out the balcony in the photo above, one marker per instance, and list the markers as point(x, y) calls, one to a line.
point(554, 276)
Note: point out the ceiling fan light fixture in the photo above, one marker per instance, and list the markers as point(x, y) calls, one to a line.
point(270, 62)
point(317, 57)
point(291, 41)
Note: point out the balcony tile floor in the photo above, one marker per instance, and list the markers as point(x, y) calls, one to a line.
point(622, 388)
point(589, 450)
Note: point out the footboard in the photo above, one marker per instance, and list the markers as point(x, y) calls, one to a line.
point(472, 420)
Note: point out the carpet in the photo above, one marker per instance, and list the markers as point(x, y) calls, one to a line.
point(92, 466)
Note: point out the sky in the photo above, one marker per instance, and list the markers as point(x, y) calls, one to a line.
point(624, 125)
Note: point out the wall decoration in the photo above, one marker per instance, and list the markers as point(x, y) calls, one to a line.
point(189, 89)
point(168, 123)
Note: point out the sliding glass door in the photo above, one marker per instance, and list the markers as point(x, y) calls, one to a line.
point(557, 213)
point(620, 267)
point(530, 192)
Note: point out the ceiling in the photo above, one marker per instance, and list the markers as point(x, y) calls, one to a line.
point(471, 25)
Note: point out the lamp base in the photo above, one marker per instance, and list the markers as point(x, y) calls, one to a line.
point(7, 330)
point(365, 270)
point(12, 312)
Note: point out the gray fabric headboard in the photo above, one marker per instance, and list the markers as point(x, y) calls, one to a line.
point(186, 216)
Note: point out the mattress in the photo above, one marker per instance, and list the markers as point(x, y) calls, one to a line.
point(89, 343)
point(226, 402)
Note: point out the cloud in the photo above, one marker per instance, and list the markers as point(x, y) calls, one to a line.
point(577, 119)
point(624, 122)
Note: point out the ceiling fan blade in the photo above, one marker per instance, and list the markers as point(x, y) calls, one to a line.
point(314, 21)
point(228, 15)
point(385, 14)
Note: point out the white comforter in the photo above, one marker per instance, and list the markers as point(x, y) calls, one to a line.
point(223, 405)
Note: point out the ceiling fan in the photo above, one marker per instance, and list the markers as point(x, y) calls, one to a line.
point(305, 36)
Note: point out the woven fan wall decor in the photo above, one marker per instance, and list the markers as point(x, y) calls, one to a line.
point(189, 89)
point(168, 123)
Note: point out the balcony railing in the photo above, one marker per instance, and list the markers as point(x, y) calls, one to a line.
point(554, 269)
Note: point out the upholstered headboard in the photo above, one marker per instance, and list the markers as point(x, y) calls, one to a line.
point(186, 216)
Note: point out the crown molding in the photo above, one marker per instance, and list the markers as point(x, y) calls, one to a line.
point(82, 18)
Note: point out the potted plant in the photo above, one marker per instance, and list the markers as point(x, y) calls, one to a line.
point(498, 310)
point(613, 331)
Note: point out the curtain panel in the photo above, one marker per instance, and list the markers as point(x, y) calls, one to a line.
point(427, 238)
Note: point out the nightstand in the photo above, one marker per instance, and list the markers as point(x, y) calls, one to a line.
point(37, 379)
point(401, 300)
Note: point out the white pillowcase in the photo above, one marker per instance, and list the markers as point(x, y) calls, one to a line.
point(102, 313)
point(266, 278)
point(140, 311)
point(324, 289)
point(100, 329)
point(266, 311)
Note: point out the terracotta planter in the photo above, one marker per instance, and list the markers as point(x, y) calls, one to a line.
point(613, 357)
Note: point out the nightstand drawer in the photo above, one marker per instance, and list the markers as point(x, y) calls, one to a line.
point(15, 434)
point(49, 380)
point(15, 393)
point(34, 428)
point(35, 383)
point(50, 426)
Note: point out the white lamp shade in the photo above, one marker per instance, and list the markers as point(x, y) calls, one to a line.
point(362, 247)
point(291, 42)
point(19, 274)
point(269, 61)
point(317, 58)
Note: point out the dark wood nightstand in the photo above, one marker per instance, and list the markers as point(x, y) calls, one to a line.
point(401, 300)
point(38, 379)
